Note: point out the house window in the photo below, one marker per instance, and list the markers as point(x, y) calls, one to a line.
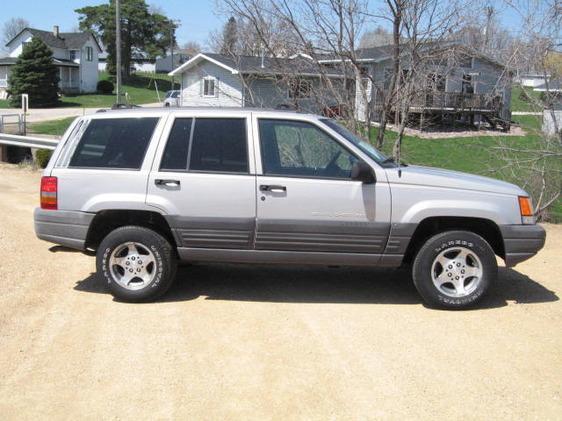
point(89, 53)
point(73, 55)
point(209, 88)
point(300, 89)
point(436, 82)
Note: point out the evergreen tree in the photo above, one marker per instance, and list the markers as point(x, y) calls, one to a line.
point(35, 74)
point(229, 37)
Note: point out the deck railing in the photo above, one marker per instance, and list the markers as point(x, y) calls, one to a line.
point(455, 101)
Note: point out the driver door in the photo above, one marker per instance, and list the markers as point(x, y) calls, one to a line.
point(307, 200)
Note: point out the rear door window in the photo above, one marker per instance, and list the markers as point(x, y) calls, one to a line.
point(175, 154)
point(219, 145)
point(114, 143)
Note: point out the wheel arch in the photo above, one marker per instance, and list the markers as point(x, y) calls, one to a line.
point(431, 226)
point(106, 221)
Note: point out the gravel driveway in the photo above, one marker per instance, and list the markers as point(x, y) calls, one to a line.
point(241, 342)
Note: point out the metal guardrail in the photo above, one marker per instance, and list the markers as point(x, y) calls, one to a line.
point(28, 141)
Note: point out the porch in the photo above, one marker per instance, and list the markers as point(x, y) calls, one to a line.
point(69, 79)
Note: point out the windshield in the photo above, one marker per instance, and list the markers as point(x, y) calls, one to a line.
point(366, 147)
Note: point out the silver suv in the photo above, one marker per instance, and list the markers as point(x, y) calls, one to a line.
point(146, 188)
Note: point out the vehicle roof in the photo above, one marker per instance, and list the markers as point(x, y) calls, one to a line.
point(159, 111)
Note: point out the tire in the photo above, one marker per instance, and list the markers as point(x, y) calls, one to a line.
point(119, 263)
point(454, 269)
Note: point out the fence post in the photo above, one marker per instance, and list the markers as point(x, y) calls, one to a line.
point(24, 107)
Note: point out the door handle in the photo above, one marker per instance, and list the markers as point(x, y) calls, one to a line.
point(167, 183)
point(272, 188)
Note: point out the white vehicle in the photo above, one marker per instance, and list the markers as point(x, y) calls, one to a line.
point(146, 188)
point(172, 99)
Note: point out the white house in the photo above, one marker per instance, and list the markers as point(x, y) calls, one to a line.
point(74, 53)
point(220, 80)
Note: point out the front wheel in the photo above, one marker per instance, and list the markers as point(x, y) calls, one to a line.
point(137, 263)
point(454, 269)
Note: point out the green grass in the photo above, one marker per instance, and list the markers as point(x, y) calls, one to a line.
point(522, 99)
point(140, 88)
point(51, 127)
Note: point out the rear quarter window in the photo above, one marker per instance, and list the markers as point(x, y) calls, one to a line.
point(114, 143)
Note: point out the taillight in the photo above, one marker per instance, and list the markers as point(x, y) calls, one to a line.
point(48, 192)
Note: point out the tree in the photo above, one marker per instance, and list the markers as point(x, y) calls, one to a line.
point(376, 38)
point(11, 28)
point(35, 74)
point(229, 37)
point(142, 30)
point(191, 48)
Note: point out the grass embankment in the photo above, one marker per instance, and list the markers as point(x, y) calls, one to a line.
point(140, 89)
point(51, 127)
point(525, 99)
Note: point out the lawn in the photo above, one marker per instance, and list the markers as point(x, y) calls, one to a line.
point(140, 89)
point(522, 99)
point(51, 127)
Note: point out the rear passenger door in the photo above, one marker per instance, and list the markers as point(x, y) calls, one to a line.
point(203, 180)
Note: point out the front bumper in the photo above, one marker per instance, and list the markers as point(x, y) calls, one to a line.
point(521, 242)
point(67, 228)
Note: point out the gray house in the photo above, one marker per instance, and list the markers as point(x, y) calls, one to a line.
point(164, 64)
point(456, 82)
point(210, 79)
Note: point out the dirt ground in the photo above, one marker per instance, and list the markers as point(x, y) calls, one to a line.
point(241, 342)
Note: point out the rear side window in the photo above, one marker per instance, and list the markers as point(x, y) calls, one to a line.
point(219, 145)
point(175, 154)
point(114, 143)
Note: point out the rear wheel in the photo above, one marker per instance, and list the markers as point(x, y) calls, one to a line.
point(137, 263)
point(454, 269)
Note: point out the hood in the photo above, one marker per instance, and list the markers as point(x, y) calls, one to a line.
point(436, 177)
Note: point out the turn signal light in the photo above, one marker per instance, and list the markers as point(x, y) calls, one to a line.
point(525, 206)
point(48, 192)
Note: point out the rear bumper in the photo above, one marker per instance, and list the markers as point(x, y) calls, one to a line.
point(67, 228)
point(521, 242)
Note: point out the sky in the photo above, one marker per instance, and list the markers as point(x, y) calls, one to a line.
point(197, 17)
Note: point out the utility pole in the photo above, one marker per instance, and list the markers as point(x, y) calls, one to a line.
point(172, 32)
point(118, 51)
point(172, 49)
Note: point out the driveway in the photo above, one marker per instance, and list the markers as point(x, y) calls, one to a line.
point(260, 342)
point(44, 114)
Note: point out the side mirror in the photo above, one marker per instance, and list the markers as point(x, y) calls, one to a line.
point(363, 172)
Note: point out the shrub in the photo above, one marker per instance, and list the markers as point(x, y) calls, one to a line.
point(42, 157)
point(105, 87)
point(35, 74)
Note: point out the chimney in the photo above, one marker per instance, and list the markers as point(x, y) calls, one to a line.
point(56, 31)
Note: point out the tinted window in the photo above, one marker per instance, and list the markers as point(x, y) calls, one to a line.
point(114, 143)
point(301, 149)
point(175, 154)
point(219, 144)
